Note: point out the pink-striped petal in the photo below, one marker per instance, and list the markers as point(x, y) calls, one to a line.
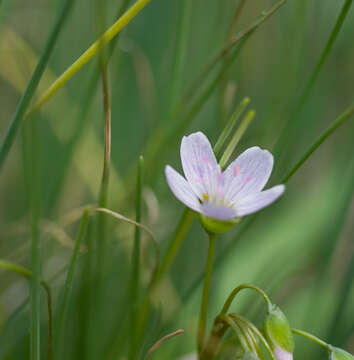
point(247, 174)
point(181, 189)
point(216, 211)
point(199, 164)
point(258, 201)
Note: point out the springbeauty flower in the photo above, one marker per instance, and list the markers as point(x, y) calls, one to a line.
point(222, 196)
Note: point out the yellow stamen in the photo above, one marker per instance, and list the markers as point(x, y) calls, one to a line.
point(205, 196)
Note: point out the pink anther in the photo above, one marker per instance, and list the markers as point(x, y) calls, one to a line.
point(236, 170)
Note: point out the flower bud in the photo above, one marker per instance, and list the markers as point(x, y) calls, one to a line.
point(278, 333)
point(249, 356)
point(340, 354)
point(217, 226)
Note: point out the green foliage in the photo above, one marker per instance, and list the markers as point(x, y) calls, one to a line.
point(176, 68)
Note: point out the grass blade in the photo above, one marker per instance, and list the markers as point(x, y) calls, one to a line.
point(33, 83)
point(124, 20)
point(69, 281)
point(295, 123)
point(135, 277)
point(330, 130)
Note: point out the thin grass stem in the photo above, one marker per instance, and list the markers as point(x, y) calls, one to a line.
point(34, 197)
point(27, 96)
point(347, 114)
point(293, 124)
point(161, 341)
point(230, 125)
point(226, 48)
point(237, 137)
point(19, 270)
point(68, 286)
point(181, 44)
point(224, 80)
point(124, 20)
point(135, 276)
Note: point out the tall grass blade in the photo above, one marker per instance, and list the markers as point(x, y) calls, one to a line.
point(69, 283)
point(124, 20)
point(135, 276)
point(33, 83)
point(295, 123)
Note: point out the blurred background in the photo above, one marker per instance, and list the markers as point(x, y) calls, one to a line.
point(300, 250)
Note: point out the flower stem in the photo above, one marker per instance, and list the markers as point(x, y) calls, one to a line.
point(180, 232)
point(238, 289)
point(311, 337)
point(205, 295)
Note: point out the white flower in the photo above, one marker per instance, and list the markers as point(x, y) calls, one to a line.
point(222, 195)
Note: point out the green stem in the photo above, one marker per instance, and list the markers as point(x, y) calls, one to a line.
point(33, 83)
point(85, 110)
point(34, 177)
point(205, 295)
point(230, 125)
point(311, 337)
point(182, 37)
point(224, 80)
point(242, 287)
point(135, 277)
point(9, 266)
point(180, 233)
point(229, 321)
point(248, 222)
point(226, 48)
point(188, 215)
point(257, 333)
point(237, 137)
point(124, 20)
point(338, 122)
point(293, 125)
point(68, 286)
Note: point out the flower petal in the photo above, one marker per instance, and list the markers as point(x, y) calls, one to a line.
point(199, 164)
point(219, 212)
point(258, 201)
point(247, 174)
point(181, 189)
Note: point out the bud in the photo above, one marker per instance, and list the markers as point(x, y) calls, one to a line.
point(249, 356)
point(278, 333)
point(217, 226)
point(340, 354)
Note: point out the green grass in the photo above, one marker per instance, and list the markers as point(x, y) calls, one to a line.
point(175, 68)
